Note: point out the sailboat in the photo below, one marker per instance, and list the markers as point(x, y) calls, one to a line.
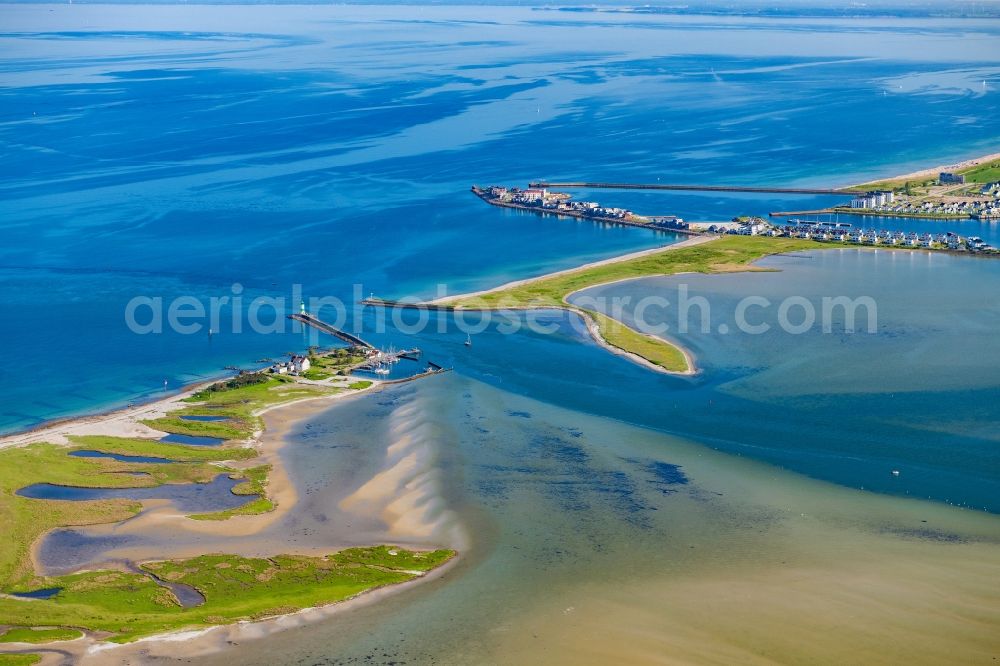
point(381, 370)
point(468, 340)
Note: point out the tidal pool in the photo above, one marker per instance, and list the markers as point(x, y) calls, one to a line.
point(120, 457)
point(191, 440)
point(188, 497)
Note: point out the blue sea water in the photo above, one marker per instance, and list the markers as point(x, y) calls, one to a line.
point(165, 152)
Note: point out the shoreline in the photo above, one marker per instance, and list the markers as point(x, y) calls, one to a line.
point(931, 171)
point(270, 441)
point(696, 240)
point(591, 323)
point(63, 425)
point(635, 221)
point(595, 333)
point(160, 513)
point(215, 639)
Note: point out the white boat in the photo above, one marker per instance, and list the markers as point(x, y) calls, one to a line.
point(468, 340)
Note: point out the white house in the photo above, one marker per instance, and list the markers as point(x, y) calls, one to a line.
point(300, 364)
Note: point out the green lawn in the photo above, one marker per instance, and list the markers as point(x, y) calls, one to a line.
point(131, 605)
point(725, 254)
point(654, 350)
point(359, 385)
point(19, 659)
point(25, 520)
point(26, 635)
point(983, 173)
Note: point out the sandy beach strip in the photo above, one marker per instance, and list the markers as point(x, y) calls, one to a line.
point(595, 333)
point(697, 240)
point(591, 323)
point(933, 172)
point(116, 422)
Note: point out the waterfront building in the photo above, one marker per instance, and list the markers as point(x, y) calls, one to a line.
point(296, 365)
point(873, 199)
point(949, 178)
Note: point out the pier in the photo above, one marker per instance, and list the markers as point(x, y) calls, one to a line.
point(376, 358)
point(384, 303)
point(380, 358)
point(321, 325)
point(798, 213)
point(432, 369)
point(696, 188)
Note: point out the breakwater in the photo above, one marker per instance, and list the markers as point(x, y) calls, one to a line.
point(696, 188)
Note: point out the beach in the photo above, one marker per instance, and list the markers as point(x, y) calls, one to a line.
point(934, 172)
point(689, 242)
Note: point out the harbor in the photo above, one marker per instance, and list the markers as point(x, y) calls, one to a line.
point(378, 362)
point(544, 202)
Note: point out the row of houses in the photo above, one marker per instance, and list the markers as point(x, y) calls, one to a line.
point(949, 240)
point(976, 209)
point(557, 202)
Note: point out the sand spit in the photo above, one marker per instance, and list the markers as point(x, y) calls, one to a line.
point(595, 334)
point(697, 240)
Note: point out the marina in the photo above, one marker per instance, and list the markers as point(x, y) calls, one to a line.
point(378, 362)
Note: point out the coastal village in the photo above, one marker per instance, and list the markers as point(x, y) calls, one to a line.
point(885, 202)
point(940, 200)
point(556, 202)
